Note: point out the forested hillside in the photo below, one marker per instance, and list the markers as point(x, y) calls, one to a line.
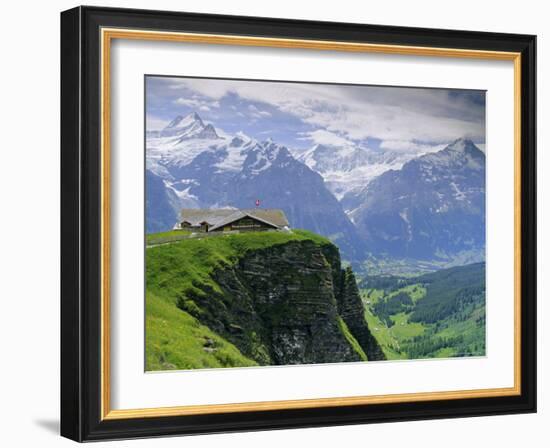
point(440, 314)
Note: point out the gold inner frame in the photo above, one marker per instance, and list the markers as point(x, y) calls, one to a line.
point(107, 35)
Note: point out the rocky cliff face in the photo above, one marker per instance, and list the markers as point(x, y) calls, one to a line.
point(287, 304)
point(350, 307)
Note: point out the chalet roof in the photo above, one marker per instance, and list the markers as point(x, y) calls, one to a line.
point(237, 214)
point(218, 217)
point(273, 216)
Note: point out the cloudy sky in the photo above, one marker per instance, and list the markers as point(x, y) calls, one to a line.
point(302, 114)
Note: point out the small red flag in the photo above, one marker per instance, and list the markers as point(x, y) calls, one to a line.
point(257, 202)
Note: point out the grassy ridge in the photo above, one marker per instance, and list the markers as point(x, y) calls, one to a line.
point(175, 339)
point(176, 267)
point(166, 237)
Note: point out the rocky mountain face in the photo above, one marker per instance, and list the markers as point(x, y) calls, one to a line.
point(347, 170)
point(432, 208)
point(287, 304)
point(185, 128)
point(160, 204)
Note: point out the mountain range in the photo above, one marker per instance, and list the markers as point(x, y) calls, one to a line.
point(370, 203)
point(432, 208)
point(204, 169)
point(348, 169)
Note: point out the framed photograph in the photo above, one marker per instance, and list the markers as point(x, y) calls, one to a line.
point(276, 224)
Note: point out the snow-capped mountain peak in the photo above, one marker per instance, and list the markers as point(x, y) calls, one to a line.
point(184, 122)
point(462, 145)
point(260, 156)
point(206, 132)
point(348, 169)
point(180, 142)
point(461, 152)
point(188, 127)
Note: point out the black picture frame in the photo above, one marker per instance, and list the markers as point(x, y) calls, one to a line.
point(81, 224)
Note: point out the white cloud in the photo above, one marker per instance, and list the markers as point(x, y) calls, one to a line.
point(410, 147)
point(154, 123)
point(215, 89)
point(189, 102)
point(197, 103)
point(322, 137)
point(394, 114)
point(257, 113)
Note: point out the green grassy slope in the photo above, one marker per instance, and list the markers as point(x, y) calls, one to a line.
point(391, 338)
point(166, 237)
point(445, 316)
point(175, 339)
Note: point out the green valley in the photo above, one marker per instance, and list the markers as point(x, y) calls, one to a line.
point(435, 315)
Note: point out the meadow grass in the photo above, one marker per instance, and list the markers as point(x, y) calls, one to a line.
point(176, 340)
point(166, 237)
point(391, 339)
point(403, 329)
point(384, 336)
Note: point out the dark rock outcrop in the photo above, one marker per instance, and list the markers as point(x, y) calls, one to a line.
point(350, 307)
point(287, 304)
